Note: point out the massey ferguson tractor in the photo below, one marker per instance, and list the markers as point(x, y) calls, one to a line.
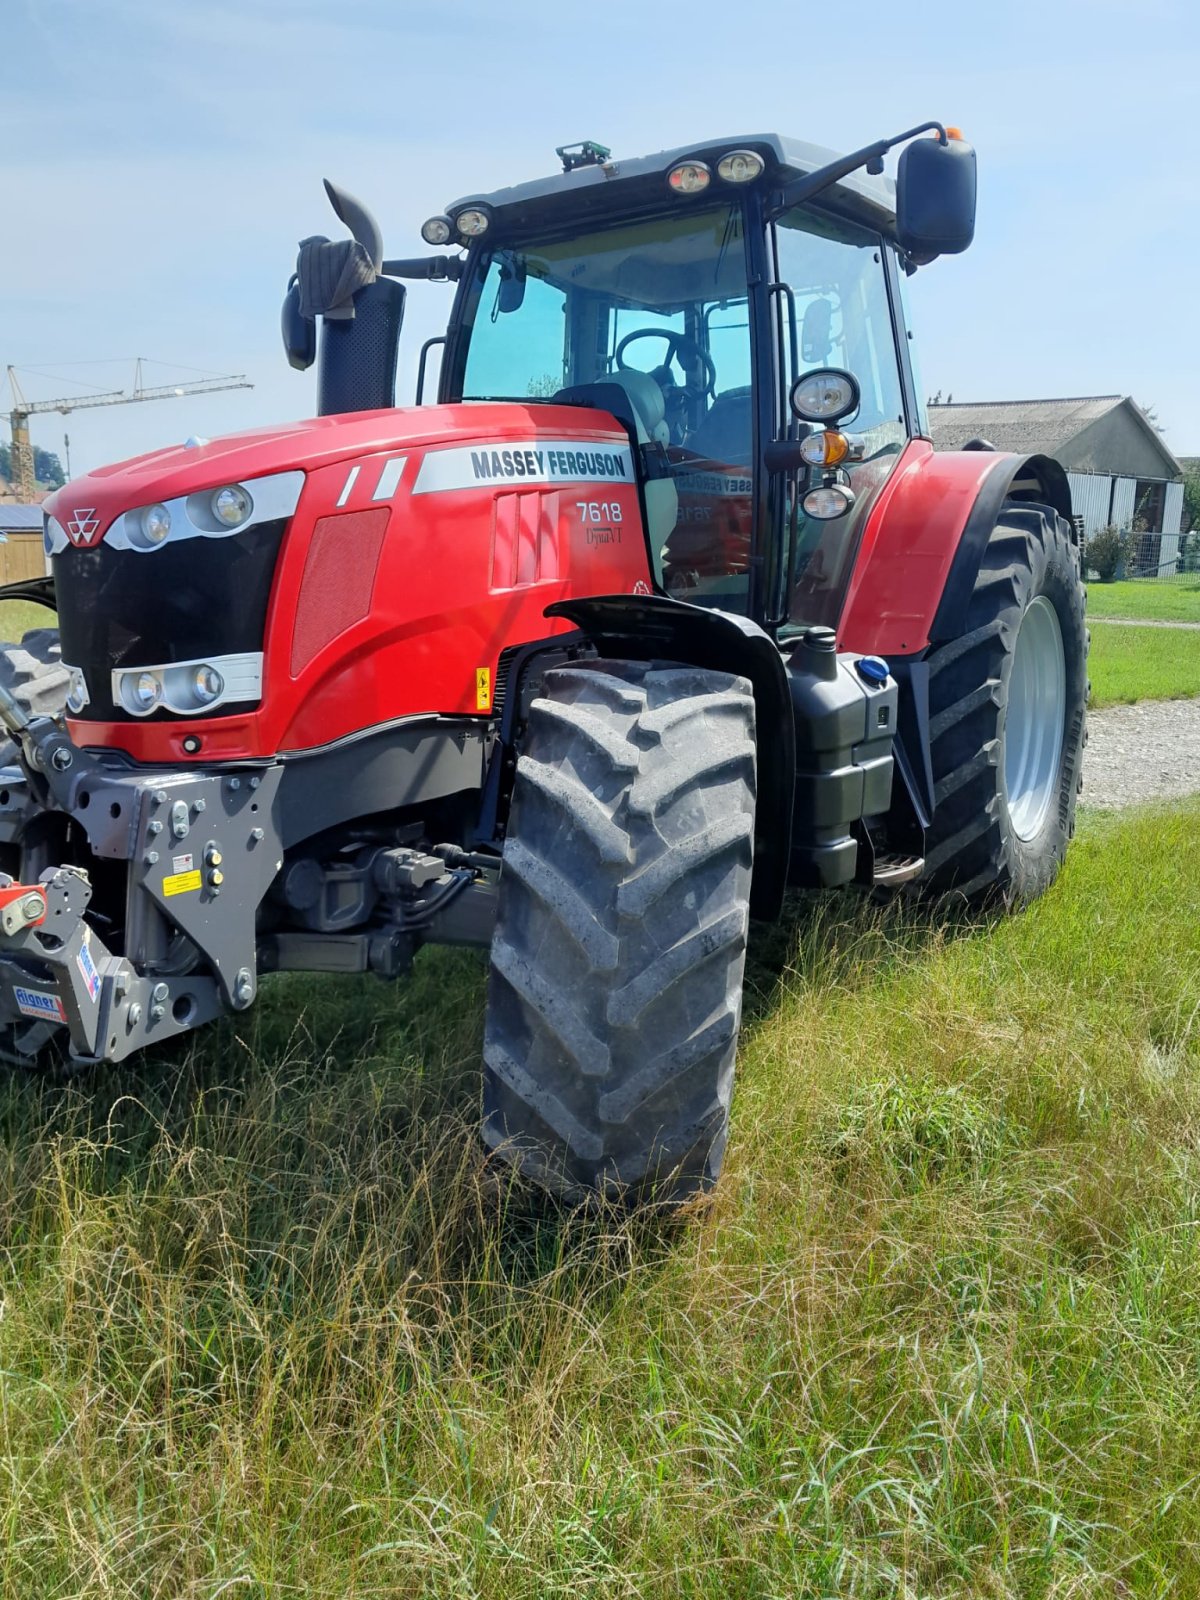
point(665, 605)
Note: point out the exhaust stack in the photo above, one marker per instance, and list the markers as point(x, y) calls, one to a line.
point(361, 313)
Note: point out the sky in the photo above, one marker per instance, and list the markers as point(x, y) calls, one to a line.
point(164, 158)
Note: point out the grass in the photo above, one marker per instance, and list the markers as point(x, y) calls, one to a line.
point(1128, 664)
point(18, 616)
point(270, 1327)
point(1177, 601)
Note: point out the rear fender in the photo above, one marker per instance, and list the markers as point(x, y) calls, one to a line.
point(655, 628)
point(924, 542)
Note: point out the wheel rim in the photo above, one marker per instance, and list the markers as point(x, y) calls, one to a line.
point(1034, 726)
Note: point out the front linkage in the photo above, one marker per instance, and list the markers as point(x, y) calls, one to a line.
point(200, 850)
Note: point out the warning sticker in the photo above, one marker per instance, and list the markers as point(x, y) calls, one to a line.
point(181, 883)
point(37, 1003)
point(87, 970)
point(483, 688)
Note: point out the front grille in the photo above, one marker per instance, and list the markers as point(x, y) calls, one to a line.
point(183, 602)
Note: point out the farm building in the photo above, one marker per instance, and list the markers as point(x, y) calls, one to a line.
point(1121, 473)
point(22, 554)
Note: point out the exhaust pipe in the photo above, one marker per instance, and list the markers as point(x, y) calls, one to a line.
point(361, 313)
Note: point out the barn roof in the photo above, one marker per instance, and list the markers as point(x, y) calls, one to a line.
point(1029, 426)
point(1041, 427)
point(20, 519)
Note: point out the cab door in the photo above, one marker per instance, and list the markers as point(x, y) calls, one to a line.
point(834, 308)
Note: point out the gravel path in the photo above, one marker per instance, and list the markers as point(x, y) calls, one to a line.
point(1144, 622)
point(1150, 751)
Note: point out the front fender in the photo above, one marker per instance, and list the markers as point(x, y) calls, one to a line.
point(656, 628)
point(924, 541)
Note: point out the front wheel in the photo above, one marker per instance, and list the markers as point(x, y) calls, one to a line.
point(1008, 708)
point(615, 991)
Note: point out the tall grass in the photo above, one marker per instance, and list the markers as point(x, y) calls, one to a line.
point(272, 1327)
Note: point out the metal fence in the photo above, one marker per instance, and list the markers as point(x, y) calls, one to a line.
point(1150, 557)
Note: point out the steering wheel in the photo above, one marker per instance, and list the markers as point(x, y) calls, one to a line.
point(679, 348)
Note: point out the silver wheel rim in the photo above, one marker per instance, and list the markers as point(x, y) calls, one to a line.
point(1034, 725)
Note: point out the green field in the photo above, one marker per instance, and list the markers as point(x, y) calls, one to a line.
point(270, 1328)
point(1177, 601)
point(1128, 664)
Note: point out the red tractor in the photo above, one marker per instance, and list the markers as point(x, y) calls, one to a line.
point(666, 604)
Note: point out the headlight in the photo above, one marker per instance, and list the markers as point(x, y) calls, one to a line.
point(154, 524)
point(145, 690)
point(740, 166)
point(231, 505)
point(438, 230)
point(689, 177)
point(207, 684)
point(472, 222)
point(77, 694)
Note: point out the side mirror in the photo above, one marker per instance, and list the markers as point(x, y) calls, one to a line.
point(299, 331)
point(510, 292)
point(935, 198)
point(815, 341)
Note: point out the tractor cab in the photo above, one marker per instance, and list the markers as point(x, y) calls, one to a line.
point(689, 294)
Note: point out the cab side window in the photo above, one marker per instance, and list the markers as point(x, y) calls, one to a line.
point(843, 316)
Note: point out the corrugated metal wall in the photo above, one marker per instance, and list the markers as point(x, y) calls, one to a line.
point(1090, 494)
point(1173, 508)
point(1122, 502)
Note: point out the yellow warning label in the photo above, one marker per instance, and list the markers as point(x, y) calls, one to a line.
point(483, 688)
point(181, 883)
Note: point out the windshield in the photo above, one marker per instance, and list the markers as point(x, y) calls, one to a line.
point(659, 307)
point(552, 315)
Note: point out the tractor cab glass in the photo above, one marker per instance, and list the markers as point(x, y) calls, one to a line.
point(660, 309)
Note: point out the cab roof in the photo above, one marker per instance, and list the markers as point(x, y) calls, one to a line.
point(619, 185)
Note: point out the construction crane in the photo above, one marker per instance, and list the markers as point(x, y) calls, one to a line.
point(22, 473)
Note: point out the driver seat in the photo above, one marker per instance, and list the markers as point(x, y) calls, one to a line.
point(647, 411)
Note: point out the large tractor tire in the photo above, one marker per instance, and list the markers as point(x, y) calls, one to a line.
point(616, 969)
point(1008, 707)
point(34, 673)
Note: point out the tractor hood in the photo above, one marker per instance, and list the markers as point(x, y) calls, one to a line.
point(166, 567)
point(82, 512)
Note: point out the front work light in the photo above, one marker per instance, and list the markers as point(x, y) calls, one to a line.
point(825, 395)
point(472, 222)
point(828, 501)
point(437, 230)
point(689, 177)
point(740, 166)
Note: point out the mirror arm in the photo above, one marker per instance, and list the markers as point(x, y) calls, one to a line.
point(870, 156)
point(436, 268)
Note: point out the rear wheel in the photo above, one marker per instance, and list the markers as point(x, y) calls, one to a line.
point(616, 968)
point(1007, 716)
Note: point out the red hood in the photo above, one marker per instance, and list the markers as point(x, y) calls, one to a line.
point(100, 496)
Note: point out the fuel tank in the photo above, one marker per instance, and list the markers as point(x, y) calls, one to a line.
point(282, 589)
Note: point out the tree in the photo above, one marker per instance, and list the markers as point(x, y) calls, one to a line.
point(47, 468)
point(1191, 493)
